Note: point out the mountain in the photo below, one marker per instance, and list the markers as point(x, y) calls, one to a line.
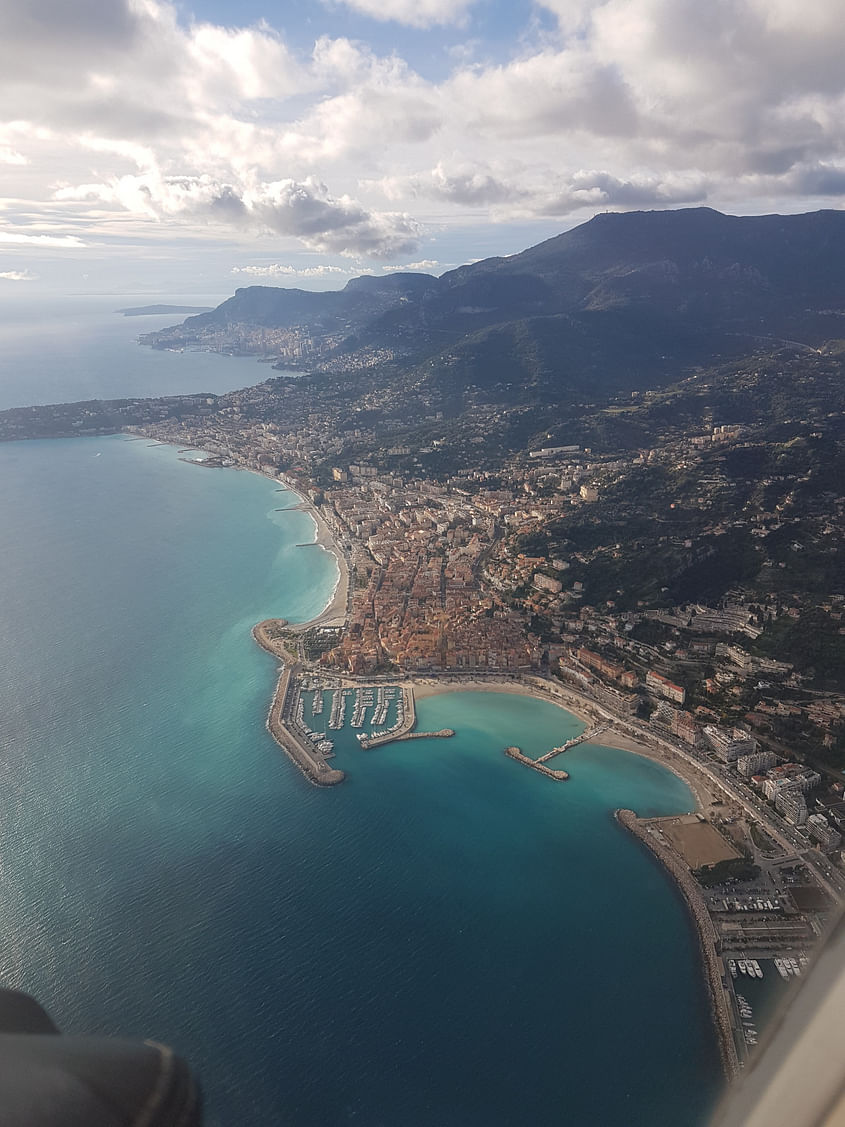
point(622, 301)
point(692, 263)
point(360, 302)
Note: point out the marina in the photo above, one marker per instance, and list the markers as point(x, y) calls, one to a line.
point(406, 718)
point(756, 987)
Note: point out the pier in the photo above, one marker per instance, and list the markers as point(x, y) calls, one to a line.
point(585, 737)
point(536, 765)
point(443, 734)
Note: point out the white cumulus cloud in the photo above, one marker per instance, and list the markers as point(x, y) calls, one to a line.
point(20, 238)
point(304, 209)
point(426, 265)
point(283, 270)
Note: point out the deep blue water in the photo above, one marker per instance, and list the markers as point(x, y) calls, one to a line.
point(445, 940)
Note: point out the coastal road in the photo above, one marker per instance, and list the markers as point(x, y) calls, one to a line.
point(785, 835)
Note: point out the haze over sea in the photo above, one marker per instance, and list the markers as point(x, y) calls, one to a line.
point(59, 350)
point(445, 940)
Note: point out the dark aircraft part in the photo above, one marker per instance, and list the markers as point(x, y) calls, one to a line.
point(49, 1080)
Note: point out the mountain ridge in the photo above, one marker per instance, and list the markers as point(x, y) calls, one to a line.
point(612, 300)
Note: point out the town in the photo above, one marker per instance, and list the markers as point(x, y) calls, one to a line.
point(675, 572)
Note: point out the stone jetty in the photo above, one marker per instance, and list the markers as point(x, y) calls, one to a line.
point(549, 772)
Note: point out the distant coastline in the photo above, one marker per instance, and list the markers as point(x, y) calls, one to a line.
point(163, 310)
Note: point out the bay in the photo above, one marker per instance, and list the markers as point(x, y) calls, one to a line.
point(445, 939)
point(61, 350)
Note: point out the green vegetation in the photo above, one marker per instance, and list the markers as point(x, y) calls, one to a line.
point(735, 869)
point(762, 840)
point(812, 643)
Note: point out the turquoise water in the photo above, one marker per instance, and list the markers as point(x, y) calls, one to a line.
point(445, 940)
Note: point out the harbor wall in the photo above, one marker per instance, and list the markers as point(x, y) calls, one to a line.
point(312, 765)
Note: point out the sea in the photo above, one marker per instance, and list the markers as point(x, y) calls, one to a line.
point(61, 350)
point(447, 939)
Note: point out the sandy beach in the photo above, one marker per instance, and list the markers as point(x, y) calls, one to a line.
point(434, 688)
point(588, 713)
point(334, 613)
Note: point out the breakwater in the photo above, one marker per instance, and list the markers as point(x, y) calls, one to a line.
point(707, 939)
point(585, 737)
point(443, 734)
point(549, 772)
point(310, 762)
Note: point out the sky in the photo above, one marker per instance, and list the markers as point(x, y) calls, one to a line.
point(193, 147)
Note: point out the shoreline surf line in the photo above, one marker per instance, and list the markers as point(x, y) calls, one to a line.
point(335, 612)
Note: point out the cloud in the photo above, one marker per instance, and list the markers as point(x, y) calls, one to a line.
point(425, 264)
point(819, 180)
point(303, 209)
point(279, 270)
point(129, 117)
point(551, 93)
point(11, 156)
point(468, 185)
point(18, 276)
point(547, 192)
point(22, 239)
point(594, 189)
point(414, 13)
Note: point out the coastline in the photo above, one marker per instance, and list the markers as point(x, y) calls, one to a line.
point(710, 961)
point(586, 711)
point(334, 613)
